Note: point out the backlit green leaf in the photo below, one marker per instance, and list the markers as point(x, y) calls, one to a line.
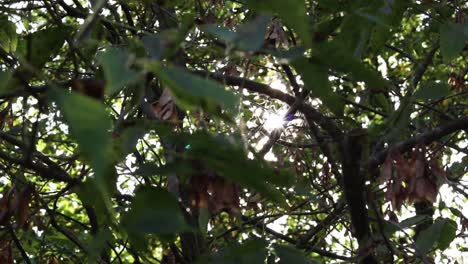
point(248, 252)
point(288, 254)
point(192, 91)
point(441, 233)
point(154, 211)
point(249, 36)
point(315, 77)
point(8, 36)
point(223, 155)
point(45, 45)
point(5, 77)
point(432, 91)
point(90, 125)
point(115, 63)
point(452, 40)
point(293, 13)
point(335, 56)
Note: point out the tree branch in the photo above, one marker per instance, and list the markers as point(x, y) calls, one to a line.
point(323, 121)
point(422, 138)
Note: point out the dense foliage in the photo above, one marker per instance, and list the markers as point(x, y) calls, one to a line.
point(218, 131)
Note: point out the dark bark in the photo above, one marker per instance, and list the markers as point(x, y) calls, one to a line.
point(355, 191)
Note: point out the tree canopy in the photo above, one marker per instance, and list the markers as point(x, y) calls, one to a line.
point(219, 131)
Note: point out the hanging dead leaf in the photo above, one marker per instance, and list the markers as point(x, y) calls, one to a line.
point(208, 190)
point(419, 162)
point(168, 257)
point(386, 170)
point(457, 82)
point(4, 115)
point(215, 2)
point(6, 255)
point(277, 36)
point(391, 215)
point(53, 260)
point(231, 69)
point(326, 174)
point(230, 22)
point(165, 108)
point(396, 194)
point(224, 196)
point(253, 202)
point(402, 166)
point(464, 224)
point(415, 174)
point(22, 210)
point(5, 208)
point(90, 87)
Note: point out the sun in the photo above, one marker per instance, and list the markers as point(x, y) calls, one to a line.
point(274, 121)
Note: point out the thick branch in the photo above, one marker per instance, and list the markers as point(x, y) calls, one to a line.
point(323, 121)
point(354, 189)
point(422, 138)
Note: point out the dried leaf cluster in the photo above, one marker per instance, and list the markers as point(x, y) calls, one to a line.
point(410, 179)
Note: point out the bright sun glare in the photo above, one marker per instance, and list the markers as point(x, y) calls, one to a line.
point(274, 121)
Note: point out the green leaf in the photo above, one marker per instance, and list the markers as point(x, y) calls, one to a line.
point(115, 63)
point(418, 219)
point(369, 25)
point(127, 139)
point(8, 36)
point(452, 40)
point(448, 234)
point(441, 233)
point(288, 254)
point(391, 13)
point(250, 251)
point(335, 56)
point(154, 211)
point(355, 34)
point(192, 91)
point(90, 125)
point(456, 212)
point(432, 91)
point(224, 156)
point(221, 33)
point(147, 170)
point(45, 44)
point(162, 44)
point(166, 43)
point(293, 13)
point(465, 29)
point(5, 77)
point(249, 36)
point(204, 217)
point(315, 77)
point(154, 45)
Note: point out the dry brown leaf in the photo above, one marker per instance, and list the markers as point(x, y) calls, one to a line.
point(53, 260)
point(231, 69)
point(208, 190)
point(402, 166)
point(165, 108)
point(392, 216)
point(326, 174)
point(6, 255)
point(90, 87)
point(386, 170)
point(6, 206)
point(225, 196)
point(430, 191)
point(22, 211)
point(277, 36)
